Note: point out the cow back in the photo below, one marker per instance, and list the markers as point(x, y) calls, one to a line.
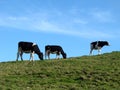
point(53, 48)
point(26, 46)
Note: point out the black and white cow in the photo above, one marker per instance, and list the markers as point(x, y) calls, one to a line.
point(54, 49)
point(97, 45)
point(29, 47)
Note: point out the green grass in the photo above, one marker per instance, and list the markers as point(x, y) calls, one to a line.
point(100, 72)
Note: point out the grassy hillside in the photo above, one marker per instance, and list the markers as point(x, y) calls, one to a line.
point(101, 72)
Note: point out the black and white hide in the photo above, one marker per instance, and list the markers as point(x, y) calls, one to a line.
point(29, 47)
point(97, 45)
point(54, 49)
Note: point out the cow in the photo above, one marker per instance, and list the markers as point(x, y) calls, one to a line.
point(54, 49)
point(97, 45)
point(29, 47)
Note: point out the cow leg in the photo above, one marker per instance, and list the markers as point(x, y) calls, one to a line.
point(31, 56)
point(18, 53)
point(99, 51)
point(91, 52)
point(48, 55)
point(21, 53)
point(91, 49)
point(58, 55)
point(17, 56)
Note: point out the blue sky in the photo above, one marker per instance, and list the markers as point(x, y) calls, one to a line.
point(73, 24)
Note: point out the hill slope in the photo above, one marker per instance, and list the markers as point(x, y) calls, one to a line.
point(101, 72)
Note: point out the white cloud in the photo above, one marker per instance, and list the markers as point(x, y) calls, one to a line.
point(48, 27)
point(13, 18)
point(80, 21)
point(12, 21)
point(102, 16)
point(37, 24)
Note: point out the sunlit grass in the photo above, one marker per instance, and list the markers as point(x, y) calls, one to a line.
point(101, 72)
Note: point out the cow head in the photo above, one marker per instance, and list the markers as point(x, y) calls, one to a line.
point(64, 55)
point(106, 43)
point(40, 55)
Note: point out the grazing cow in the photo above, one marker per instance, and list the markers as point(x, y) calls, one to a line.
point(54, 49)
point(97, 45)
point(28, 47)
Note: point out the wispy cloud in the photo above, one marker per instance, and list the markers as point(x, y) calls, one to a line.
point(37, 24)
point(80, 21)
point(102, 16)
